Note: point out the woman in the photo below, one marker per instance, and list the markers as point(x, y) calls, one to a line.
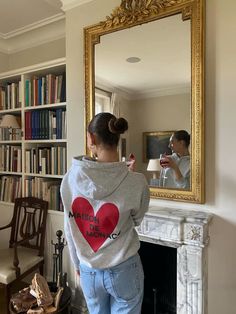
point(103, 202)
point(177, 166)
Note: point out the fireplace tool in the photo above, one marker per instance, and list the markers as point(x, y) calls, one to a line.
point(58, 279)
point(154, 300)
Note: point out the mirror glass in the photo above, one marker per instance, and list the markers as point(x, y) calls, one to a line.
point(143, 74)
point(145, 62)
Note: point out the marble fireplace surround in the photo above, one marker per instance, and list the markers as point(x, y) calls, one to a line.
point(186, 230)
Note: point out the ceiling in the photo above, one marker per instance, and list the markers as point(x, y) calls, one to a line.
point(164, 47)
point(22, 15)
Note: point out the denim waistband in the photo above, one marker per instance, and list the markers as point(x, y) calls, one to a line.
point(130, 260)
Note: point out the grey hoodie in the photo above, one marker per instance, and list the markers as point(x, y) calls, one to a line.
point(103, 202)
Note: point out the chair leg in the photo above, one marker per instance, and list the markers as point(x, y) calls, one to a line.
point(4, 298)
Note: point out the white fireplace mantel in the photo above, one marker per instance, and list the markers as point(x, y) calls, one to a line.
point(186, 230)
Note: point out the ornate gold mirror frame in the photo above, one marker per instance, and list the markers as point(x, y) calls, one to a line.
point(136, 12)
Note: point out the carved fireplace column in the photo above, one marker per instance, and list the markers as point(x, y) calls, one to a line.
point(188, 232)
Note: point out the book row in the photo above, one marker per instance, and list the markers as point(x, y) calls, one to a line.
point(49, 190)
point(45, 124)
point(10, 158)
point(10, 96)
point(46, 160)
point(7, 134)
point(10, 188)
point(45, 90)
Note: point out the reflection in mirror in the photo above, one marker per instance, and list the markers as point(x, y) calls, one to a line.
point(149, 57)
point(143, 73)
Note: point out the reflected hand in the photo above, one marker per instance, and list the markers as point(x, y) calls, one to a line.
point(164, 160)
point(170, 163)
point(131, 165)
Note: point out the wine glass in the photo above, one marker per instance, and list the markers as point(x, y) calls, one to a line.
point(164, 166)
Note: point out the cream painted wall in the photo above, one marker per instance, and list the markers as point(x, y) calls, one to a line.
point(170, 112)
point(3, 62)
point(49, 51)
point(165, 113)
point(220, 133)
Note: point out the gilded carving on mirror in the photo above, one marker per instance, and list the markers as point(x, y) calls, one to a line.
point(134, 11)
point(127, 16)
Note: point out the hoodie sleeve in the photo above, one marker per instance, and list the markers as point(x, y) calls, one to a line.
point(138, 214)
point(70, 242)
point(67, 229)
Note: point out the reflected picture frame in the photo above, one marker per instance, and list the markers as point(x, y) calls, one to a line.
point(156, 143)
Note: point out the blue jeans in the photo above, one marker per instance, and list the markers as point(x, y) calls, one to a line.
point(115, 290)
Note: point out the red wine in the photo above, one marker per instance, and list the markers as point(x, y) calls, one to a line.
point(163, 162)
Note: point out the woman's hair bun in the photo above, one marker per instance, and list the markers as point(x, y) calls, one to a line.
point(117, 125)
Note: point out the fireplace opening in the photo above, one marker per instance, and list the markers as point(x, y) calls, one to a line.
point(160, 283)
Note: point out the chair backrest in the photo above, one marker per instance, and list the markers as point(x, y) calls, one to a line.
point(29, 221)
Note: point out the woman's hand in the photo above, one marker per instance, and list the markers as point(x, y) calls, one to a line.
point(131, 162)
point(131, 165)
point(170, 163)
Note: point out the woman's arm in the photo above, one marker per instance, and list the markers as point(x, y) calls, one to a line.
point(138, 214)
point(182, 180)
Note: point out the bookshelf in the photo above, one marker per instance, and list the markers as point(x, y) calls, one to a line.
point(33, 157)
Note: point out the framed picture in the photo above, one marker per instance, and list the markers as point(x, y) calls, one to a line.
point(156, 143)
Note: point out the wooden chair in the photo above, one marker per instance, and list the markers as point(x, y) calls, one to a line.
point(26, 246)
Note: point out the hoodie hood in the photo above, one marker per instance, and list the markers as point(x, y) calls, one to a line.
point(95, 179)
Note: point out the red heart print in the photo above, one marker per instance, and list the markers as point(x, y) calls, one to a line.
point(95, 228)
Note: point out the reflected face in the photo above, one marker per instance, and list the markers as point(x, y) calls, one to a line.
point(174, 144)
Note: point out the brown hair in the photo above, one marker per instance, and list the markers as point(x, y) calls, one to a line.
point(107, 128)
point(182, 135)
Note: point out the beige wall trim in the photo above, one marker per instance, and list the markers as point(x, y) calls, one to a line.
point(70, 4)
point(37, 36)
point(33, 26)
point(3, 46)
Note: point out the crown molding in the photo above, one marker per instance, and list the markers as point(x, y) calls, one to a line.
point(33, 26)
point(3, 46)
point(159, 92)
point(70, 4)
point(36, 37)
point(38, 33)
point(143, 94)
